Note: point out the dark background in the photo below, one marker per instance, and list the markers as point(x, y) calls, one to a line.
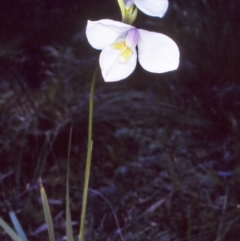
point(166, 147)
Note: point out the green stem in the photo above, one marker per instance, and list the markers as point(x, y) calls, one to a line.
point(89, 156)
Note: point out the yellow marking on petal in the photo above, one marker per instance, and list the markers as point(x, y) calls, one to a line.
point(119, 45)
point(125, 55)
point(125, 52)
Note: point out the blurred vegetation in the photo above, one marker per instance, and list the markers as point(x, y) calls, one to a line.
point(166, 147)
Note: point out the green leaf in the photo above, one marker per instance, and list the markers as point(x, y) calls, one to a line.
point(17, 226)
point(89, 157)
point(9, 230)
point(47, 212)
point(69, 231)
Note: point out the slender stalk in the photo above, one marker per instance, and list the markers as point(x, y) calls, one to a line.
point(47, 213)
point(69, 230)
point(89, 156)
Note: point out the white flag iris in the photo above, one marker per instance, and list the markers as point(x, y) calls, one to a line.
point(155, 8)
point(157, 53)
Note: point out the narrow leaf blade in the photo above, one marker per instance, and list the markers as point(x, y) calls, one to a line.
point(69, 230)
point(9, 230)
point(47, 212)
point(17, 226)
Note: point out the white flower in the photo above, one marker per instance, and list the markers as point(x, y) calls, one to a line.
point(155, 8)
point(157, 53)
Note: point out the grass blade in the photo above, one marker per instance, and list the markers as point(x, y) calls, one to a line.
point(89, 157)
point(17, 226)
point(9, 230)
point(69, 231)
point(47, 213)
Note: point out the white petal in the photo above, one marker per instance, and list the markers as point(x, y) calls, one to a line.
point(128, 3)
point(157, 53)
point(155, 8)
point(112, 69)
point(105, 32)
